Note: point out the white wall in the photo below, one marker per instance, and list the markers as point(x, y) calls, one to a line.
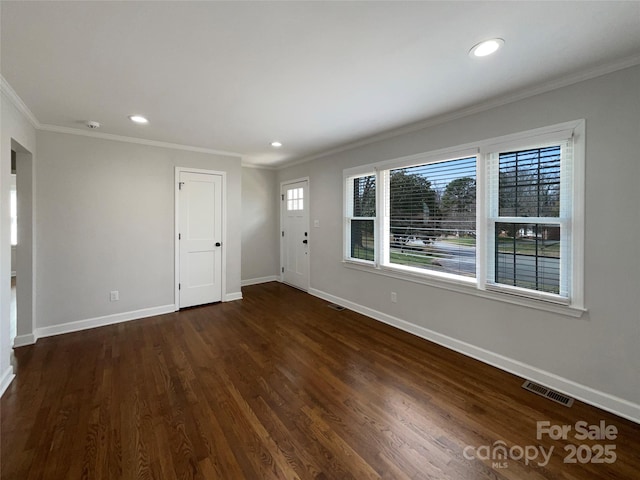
point(105, 221)
point(596, 356)
point(13, 126)
point(260, 225)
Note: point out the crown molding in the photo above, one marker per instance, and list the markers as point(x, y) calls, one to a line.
point(544, 87)
point(140, 141)
point(258, 166)
point(16, 101)
point(11, 95)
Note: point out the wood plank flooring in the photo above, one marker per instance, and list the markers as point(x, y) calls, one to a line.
point(278, 386)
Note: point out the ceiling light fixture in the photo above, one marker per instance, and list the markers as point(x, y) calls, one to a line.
point(485, 48)
point(138, 119)
point(276, 144)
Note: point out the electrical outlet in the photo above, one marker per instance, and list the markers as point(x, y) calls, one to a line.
point(316, 223)
point(394, 297)
point(114, 295)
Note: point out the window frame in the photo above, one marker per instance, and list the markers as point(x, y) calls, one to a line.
point(481, 285)
point(563, 220)
point(349, 217)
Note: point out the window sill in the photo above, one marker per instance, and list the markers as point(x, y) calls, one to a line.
point(467, 287)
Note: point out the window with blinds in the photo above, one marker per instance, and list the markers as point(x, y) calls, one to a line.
point(528, 254)
point(531, 207)
point(361, 217)
point(504, 215)
point(432, 216)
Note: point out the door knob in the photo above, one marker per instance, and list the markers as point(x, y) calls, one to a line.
point(218, 244)
point(305, 241)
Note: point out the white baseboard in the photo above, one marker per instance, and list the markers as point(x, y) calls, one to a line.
point(605, 401)
point(7, 378)
point(102, 321)
point(256, 281)
point(24, 340)
point(70, 327)
point(230, 297)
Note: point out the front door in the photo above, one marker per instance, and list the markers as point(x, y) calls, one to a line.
point(295, 234)
point(200, 238)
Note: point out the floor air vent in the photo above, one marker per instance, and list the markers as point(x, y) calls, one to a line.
point(548, 393)
point(335, 306)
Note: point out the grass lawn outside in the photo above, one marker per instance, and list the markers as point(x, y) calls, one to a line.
point(464, 241)
point(523, 246)
point(413, 259)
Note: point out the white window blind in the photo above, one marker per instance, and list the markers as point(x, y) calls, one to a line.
point(432, 216)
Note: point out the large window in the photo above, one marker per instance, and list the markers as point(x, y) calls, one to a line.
point(503, 216)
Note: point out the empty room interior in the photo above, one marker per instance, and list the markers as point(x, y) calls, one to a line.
point(320, 240)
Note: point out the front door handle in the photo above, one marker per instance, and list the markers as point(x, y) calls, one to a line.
point(305, 241)
point(218, 244)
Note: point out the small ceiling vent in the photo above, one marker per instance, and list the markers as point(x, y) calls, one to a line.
point(548, 393)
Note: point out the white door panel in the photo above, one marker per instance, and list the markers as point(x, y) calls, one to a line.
point(200, 238)
point(295, 240)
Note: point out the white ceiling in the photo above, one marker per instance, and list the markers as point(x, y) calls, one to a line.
point(233, 76)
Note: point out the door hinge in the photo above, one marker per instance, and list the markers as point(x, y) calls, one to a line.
point(283, 233)
point(179, 286)
point(282, 269)
point(282, 197)
point(179, 236)
point(180, 184)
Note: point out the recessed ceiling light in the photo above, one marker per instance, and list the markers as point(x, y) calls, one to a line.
point(276, 144)
point(487, 47)
point(138, 119)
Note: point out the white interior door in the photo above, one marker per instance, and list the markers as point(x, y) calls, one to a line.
point(295, 234)
point(200, 238)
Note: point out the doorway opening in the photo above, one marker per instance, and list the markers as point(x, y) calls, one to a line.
point(22, 239)
point(13, 207)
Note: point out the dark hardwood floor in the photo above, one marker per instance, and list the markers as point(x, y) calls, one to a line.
point(280, 386)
